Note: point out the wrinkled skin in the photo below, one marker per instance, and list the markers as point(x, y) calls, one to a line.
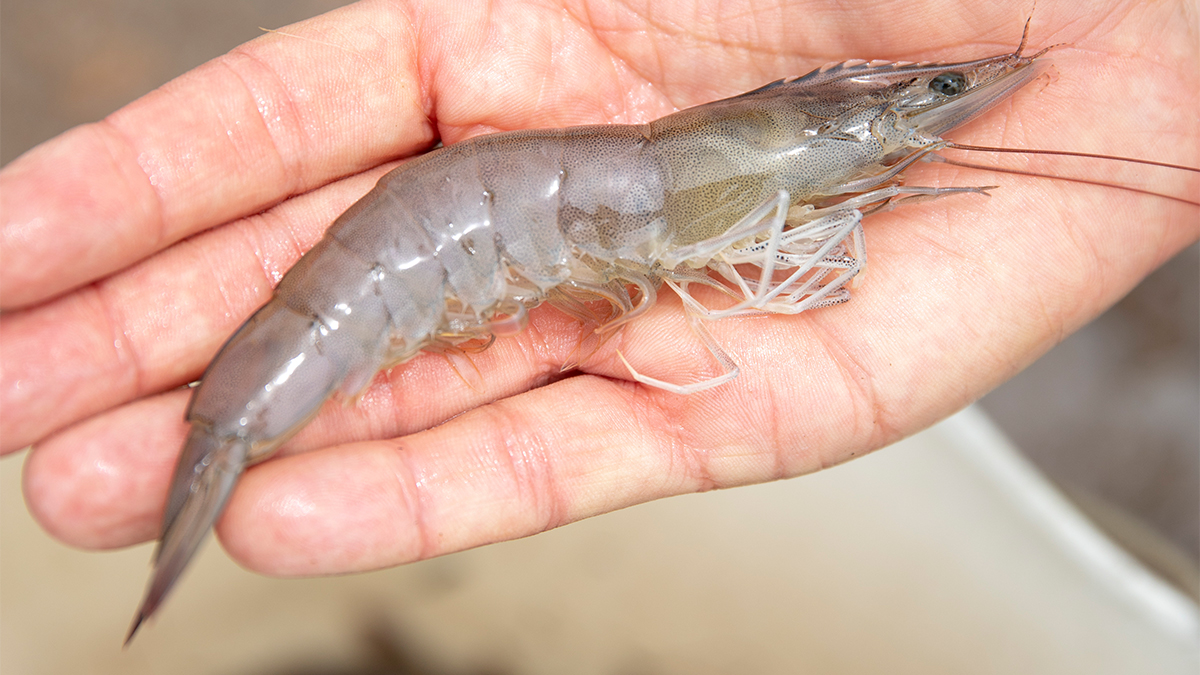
point(109, 309)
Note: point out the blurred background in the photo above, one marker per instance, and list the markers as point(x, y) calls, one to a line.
point(1112, 415)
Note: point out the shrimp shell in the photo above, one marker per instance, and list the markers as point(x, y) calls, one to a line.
point(759, 196)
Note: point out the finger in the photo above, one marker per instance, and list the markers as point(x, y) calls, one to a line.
point(102, 483)
point(523, 465)
point(275, 117)
point(156, 325)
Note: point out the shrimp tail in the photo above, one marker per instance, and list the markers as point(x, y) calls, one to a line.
point(205, 476)
point(266, 383)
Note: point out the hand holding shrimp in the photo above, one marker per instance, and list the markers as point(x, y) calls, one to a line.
point(899, 360)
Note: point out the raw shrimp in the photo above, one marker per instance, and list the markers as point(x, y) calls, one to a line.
point(760, 196)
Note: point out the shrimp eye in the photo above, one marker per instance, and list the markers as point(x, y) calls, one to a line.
point(949, 84)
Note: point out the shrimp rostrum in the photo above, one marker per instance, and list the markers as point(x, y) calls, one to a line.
point(760, 197)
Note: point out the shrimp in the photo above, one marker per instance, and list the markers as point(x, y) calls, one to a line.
point(759, 196)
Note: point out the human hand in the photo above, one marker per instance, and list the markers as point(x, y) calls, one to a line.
point(961, 293)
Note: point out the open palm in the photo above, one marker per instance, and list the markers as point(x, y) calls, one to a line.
point(135, 246)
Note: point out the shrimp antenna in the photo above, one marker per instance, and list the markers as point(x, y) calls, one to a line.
point(1064, 153)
